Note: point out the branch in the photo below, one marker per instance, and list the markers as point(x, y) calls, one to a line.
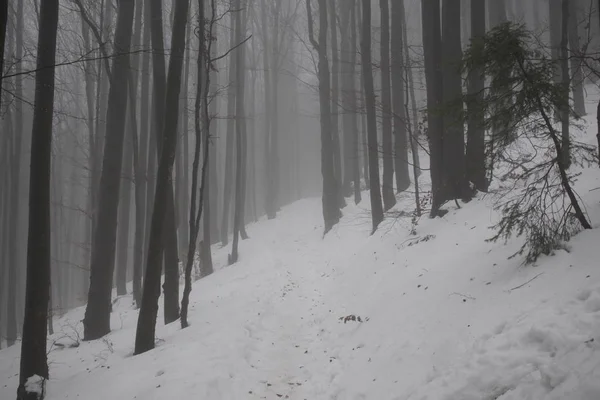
point(97, 34)
point(311, 35)
point(79, 60)
point(231, 49)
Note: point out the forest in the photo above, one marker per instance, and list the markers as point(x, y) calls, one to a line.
point(160, 158)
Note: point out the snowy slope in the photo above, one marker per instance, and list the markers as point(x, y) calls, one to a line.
point(443, 315)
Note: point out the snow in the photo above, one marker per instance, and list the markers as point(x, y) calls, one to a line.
point(35, 384)
point(440, 315)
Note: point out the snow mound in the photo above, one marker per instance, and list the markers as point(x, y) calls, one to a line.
point(551, 353)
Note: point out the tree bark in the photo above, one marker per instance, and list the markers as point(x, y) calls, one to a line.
point(239, 133)
point(387, 150)
point(475, 156)
point(335, 90)
point(229, 144)
point(375, 189)
point(454, 143)
point(37, 292)
point(432, 45)
point(146, 326)
point(331, 212)
point(566, 81)
point(397, 84)
point(15, 164)
point(97, 314)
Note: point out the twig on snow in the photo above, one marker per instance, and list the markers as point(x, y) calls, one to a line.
point(520, 286)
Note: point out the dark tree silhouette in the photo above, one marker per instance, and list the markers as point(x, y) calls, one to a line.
point(146, 326)
point(96, 322)
point(37, 292)
point(367, 72)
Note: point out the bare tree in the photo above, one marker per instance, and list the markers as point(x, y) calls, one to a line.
point(97, 314)
point(387, 184)
point(397, 84)
point(37, 292)
point(331, 211)
point(146, 326)
point(475, 153)
point(375, 189)
point(432, 44)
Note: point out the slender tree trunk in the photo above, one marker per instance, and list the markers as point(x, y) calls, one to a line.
point(387, 184)
point(375, 189)
point(565, 79)
point(229, 145)
point(269, 205)
point(397, 85)
point(37, 292)
point(475, 157)
point(348, 60)
point(432, 45)
point(273, 189)
point(335, 90)
point(3, 23)
point(14, 247)
point(239, 133)
point(97, 314)
point(124, 214)
point(141, 163)
point(410, 86)
point(331, 212)
point(353, 105)
point(363, 116)
point(146, 326)
point(454, 142)
point(576, 63)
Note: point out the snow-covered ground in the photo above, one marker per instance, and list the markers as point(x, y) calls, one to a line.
point(442, 314)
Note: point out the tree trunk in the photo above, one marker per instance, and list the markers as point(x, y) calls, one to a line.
point(375, 189)
point(15, 164)
point(97, 314)
point(566, 81)
point(397, 85)
point(576, 63)
point(475, 157)
point(432, 47)
point(331, 212)
point(349, 120)
point(229, 145)
point(3, 22)
point(146, 326)
point(37, 292)
point(141, 176)
point(454, 143)
point(353, 105)
point(239, 133)
point(387, 184)
point(335, 90)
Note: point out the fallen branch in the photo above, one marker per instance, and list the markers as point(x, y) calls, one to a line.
point(520, 286)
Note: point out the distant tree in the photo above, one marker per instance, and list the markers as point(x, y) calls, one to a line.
point(398, 99)
point(96, 322)
point(34, 365)
point(374, 185)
